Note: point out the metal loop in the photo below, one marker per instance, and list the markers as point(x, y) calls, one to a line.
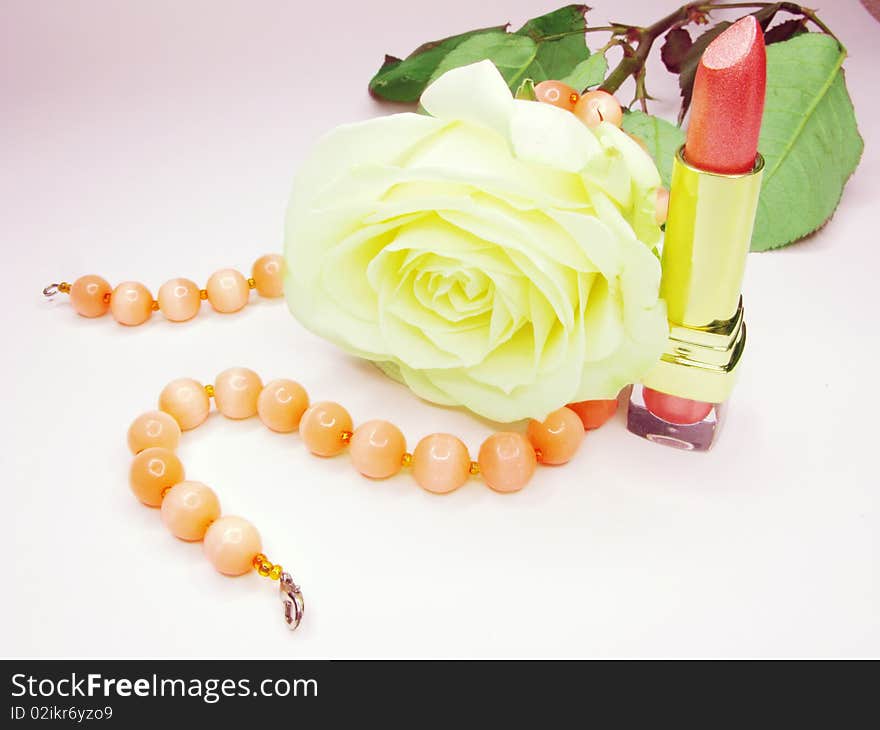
point(292, 600)
point(51, 290)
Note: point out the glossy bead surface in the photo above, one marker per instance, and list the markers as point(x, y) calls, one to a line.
point(322, 427)
point(507, 461)
point(186, 401)
point(594, 413)
point(231, 544)
point(228, 290)
point(90, 296)
point(598, 106)
point(377, 449)
point(673, 409)
point(131, 303)
point(152, 471)
point(153, 428)
point(281, 405)
point(188, 509)
point(179, 299)
point(557, 94)
point(441, 463)
point(558, 436)
point(236, 391)
point(268, 274)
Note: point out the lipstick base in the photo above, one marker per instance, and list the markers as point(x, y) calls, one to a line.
point(699, 436)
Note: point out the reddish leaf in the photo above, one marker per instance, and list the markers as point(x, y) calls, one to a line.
point(675, 47)
point(784, 31)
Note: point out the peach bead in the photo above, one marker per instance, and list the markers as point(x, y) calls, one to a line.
point(179, 299)
point(441, 463)
point(153, 471)
point(594, 413)
point(281, 405)
point(377, 448)
point(153, 428)
point(557, 94)
point(231, 544)
point(236, 391)
point(90, 296)
point(186, 401)
point(228, 290)
point(507, 461)
point(268, 275)
point(188, 510)
point(558, 436)
point(322, 426)
point(131, 303)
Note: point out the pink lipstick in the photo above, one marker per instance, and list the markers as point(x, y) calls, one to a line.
point(713, 198)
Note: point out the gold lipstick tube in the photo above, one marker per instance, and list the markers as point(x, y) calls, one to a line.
point(708, 232)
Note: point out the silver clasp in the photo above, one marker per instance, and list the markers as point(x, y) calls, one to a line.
point(292, 600)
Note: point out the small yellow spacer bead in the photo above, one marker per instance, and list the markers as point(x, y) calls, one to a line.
point(264, 569)
point(64, 287)
point(209, 389)
point(573, 97)
point(276, 571)
point(539, 455)
point(345, 436)
point(406, 460)
point(474, 468)
point(164, 492)
point(252, 284)
point(155, 306)
point(258, 560)
point(203, 294)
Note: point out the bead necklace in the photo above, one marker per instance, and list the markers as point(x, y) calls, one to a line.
point(440, 463)
point(131, 303)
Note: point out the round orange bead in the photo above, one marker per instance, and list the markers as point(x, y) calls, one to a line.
point(188, 509)
point(179, 299)
point(441, 463)
point(153, 428)
point(377, 449)
point(557, 94)
point(322, 427)
point(228, 290)
point(236, 391)
point(131, 303)
point(268, 275)
point(598, 106)
point(281, 405)
point(507, 461)
point(594, 413)
point(153, 471)
point(558, 436)
point(231, 544)
point(89, 296)
point(186, 401)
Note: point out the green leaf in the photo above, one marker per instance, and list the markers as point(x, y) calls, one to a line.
point(512, 55)
point(662, 139)
point(590, 72)
point(405, 80)
point(559, 37)
point(809, 139)
point(547, 47)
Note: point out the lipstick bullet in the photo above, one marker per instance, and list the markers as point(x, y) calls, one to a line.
point(716, 180)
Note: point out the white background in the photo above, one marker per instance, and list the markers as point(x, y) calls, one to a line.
point(150, 140)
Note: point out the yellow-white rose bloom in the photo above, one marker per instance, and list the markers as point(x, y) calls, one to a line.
point(496, 254)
